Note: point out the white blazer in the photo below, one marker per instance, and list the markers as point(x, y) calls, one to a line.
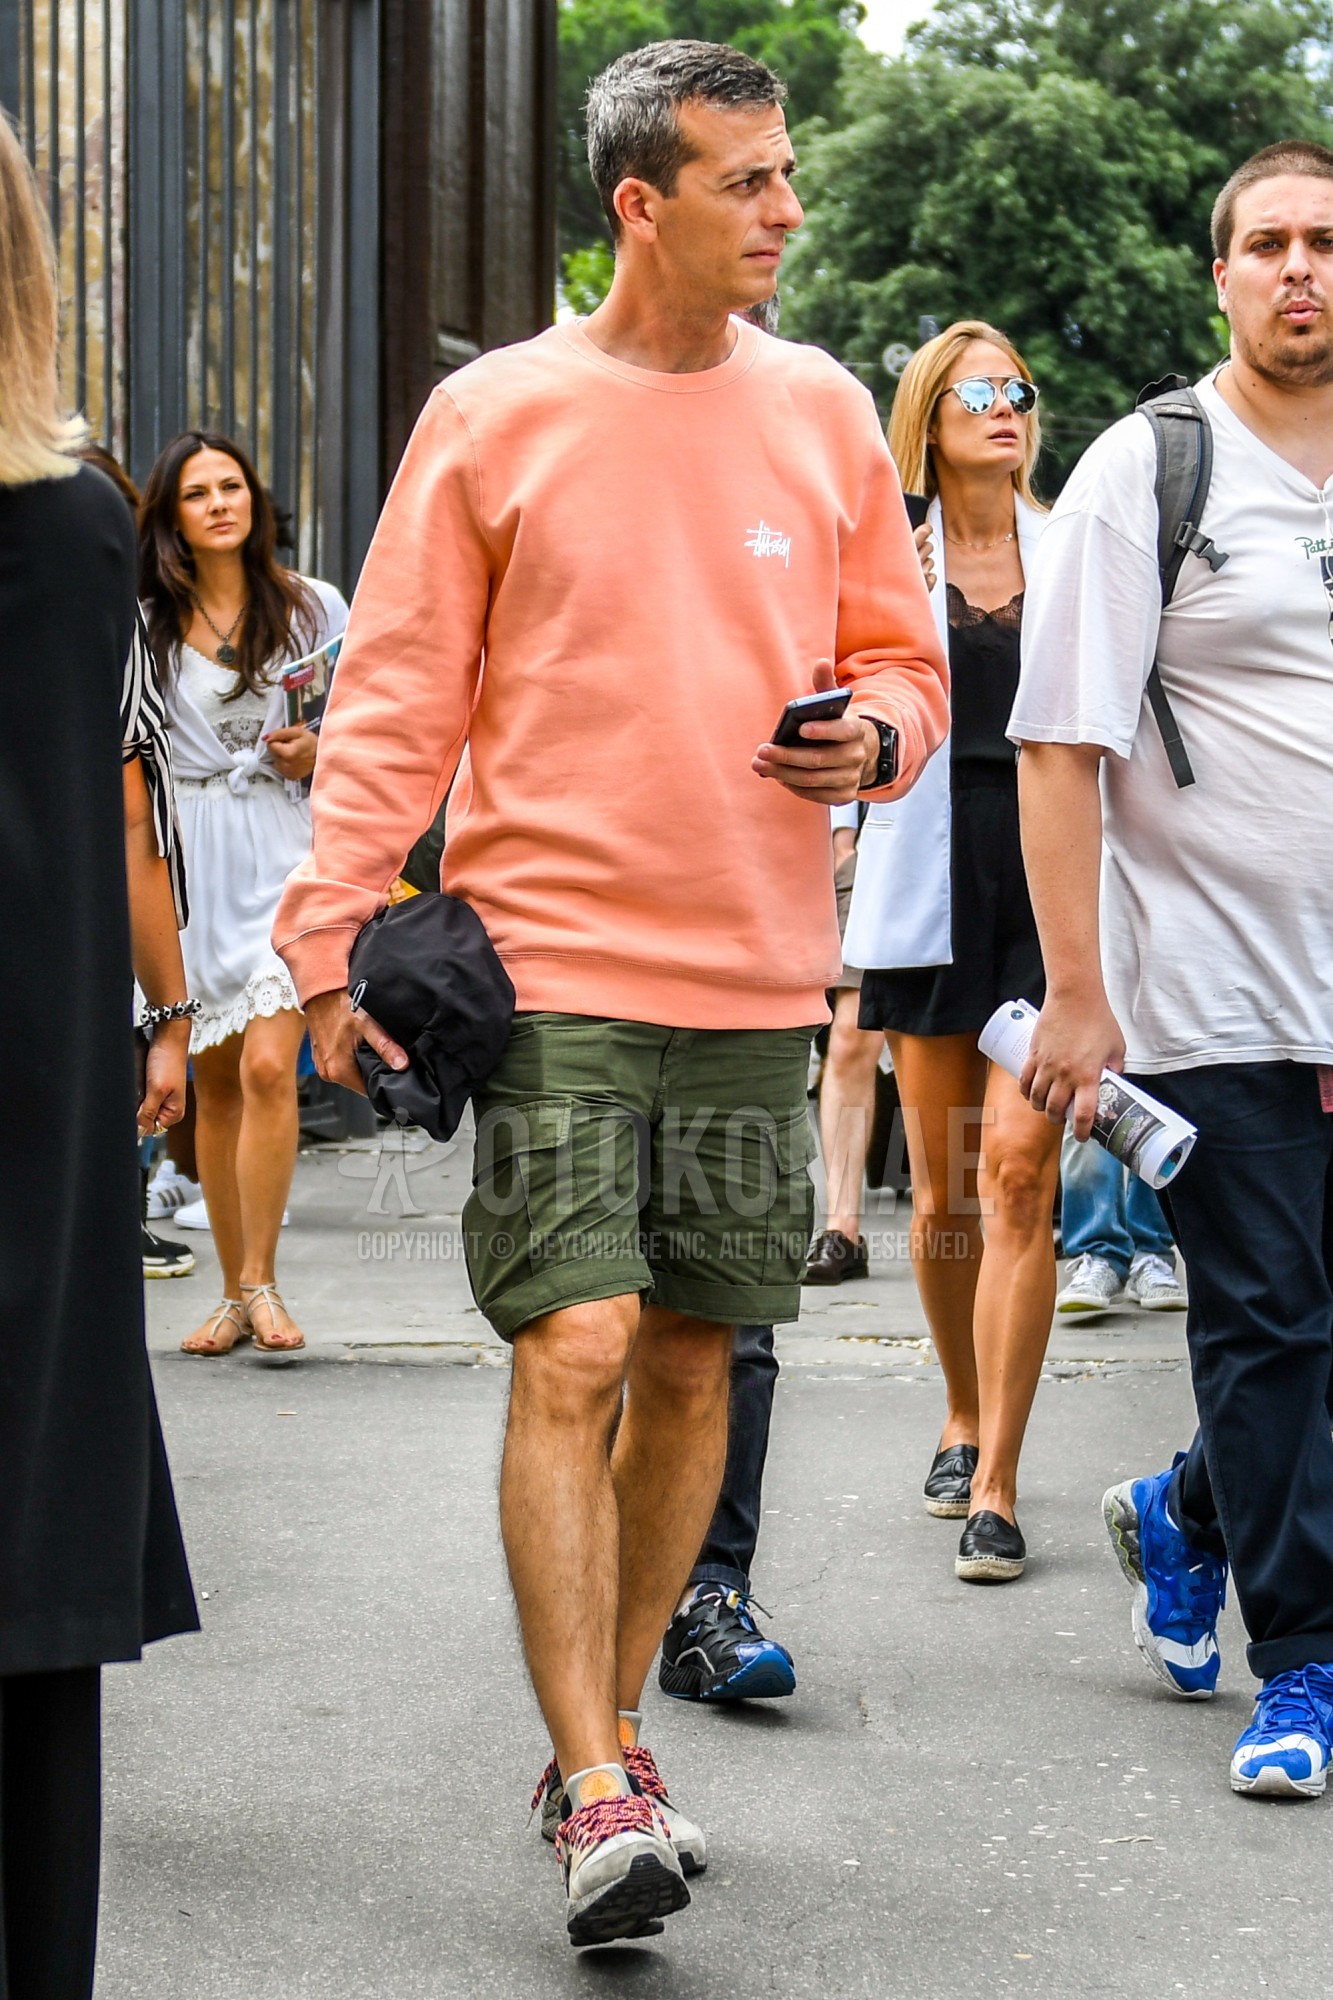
point(900, 914)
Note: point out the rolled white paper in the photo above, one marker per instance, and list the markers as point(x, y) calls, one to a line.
point(1148, 1137)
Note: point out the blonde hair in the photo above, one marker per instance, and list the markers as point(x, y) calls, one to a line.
point(37, 437)
point(924, 381)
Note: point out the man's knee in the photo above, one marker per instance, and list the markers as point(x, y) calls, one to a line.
point(681, 1358)
point(569, 1366)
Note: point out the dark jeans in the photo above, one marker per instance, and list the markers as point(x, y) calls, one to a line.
point(727, 1554)
point(50, 1833)
point(1253, 1214)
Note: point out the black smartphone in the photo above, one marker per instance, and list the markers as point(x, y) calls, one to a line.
point(917, 507)
point(826, 707)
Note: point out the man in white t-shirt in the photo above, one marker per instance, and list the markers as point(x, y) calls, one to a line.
point(1208, 971)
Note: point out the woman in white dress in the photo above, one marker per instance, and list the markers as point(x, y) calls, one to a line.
point(225, 618)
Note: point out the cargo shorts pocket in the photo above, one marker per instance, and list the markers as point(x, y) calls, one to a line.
point(563, 1174)
point(792, 1213)
point(524, 1190)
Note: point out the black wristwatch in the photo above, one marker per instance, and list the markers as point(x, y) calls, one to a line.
point(887, 768)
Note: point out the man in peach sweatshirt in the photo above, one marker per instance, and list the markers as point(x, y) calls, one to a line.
point(610, 556)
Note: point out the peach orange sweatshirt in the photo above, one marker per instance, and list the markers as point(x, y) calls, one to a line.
point(606, 582)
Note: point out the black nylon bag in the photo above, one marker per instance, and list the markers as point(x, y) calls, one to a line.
point(426, 971)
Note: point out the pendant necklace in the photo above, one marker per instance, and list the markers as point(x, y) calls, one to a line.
point(226, 653)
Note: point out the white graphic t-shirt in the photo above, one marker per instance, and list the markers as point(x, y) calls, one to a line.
point(1217, 901)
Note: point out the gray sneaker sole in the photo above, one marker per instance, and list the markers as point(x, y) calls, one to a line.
point(628, 1907)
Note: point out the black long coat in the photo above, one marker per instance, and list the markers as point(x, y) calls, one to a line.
point(92, 1565)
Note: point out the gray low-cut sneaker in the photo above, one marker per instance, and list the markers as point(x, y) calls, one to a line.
point(1091, 1286)
point(688, 1840)
point(1152, 1285)
point(621, 1873)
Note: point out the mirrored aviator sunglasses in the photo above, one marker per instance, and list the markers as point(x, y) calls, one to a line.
point(977, 393)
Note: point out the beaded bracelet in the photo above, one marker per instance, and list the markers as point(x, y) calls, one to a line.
point(178, 1010)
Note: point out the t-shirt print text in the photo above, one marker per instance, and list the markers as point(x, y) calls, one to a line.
point(766, 541)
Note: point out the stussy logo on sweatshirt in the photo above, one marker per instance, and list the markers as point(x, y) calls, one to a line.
point(766, 541)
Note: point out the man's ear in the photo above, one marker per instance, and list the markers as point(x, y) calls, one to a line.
point(635, 202)
point(1220, 280)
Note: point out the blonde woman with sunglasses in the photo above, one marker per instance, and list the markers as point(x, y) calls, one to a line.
point(940, 911)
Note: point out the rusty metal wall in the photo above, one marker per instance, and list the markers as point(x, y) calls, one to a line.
point(211, 168)
point(286, 219)
point(470, 141)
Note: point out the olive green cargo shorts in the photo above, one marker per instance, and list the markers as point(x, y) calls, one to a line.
point(616, 1157)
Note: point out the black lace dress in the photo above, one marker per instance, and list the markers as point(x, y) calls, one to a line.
point(996, 955)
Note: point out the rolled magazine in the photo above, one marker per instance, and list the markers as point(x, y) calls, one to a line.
point(305, 683)
point(1149, 1138)
point(305, 693)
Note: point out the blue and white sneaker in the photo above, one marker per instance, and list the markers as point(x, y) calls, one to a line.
point(713, 1651)
point(1178, 1590)
point(1288, 1746)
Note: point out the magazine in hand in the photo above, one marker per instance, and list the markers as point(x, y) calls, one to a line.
point(1151, 1139)
point(305, 692)
point(306, 683)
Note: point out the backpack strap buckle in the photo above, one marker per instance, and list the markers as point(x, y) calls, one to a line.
point(1195, 543)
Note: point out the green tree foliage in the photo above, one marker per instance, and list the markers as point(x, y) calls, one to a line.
point(803, 40)
point(1050, 167)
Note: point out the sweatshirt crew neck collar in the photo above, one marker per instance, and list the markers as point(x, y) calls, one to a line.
point(696, 382)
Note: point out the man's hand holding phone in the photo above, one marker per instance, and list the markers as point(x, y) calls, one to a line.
point(831, 760)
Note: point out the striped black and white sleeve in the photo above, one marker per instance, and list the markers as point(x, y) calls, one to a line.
point(143, 728)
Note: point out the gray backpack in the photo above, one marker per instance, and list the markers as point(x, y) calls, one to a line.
point(1184, 440)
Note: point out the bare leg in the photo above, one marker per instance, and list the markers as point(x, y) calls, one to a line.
point(266, 1147)
point(217, 1089)
point(559, 1521)
point(667, 1467)
point(846, 1109)
point(941, 1082)
point(1016, 1285)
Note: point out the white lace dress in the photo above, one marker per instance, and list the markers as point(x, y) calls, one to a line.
point(242, 834)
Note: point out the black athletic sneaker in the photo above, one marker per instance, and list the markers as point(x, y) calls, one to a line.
point(164, 1259)
point(714, 1651)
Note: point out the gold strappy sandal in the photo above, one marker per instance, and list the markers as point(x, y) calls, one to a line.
point(231, 1314)
point(270, 1297)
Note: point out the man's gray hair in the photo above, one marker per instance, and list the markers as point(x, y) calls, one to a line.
point(633, 128)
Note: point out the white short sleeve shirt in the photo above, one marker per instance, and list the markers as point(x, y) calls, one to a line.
point(1217, 901)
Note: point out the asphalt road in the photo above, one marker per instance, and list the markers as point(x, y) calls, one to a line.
point(973, 1791)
